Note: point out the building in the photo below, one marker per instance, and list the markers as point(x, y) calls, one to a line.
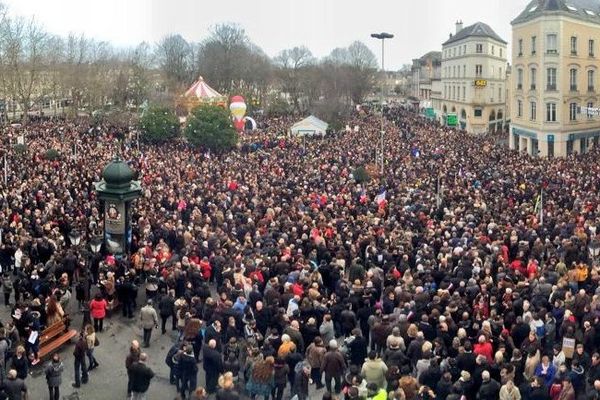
point(424, 70)
point(473, 84)
point(555, 69)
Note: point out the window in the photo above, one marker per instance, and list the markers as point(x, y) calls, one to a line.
point(551, 43)
point(454, 71)
point(550, 149)
point(464, 49)
point(464, 71)
point(533, 45)
point(519, 108)
point(573, 79)
point(492, 91)
point(500, 94)
point(572, 111)
point(590, 105)
point(493, 50)
point(445, 91)
point(533, 78)
point(454, 52)
point(464, 93)
point(551, 79)
point(500, 72)
point(532, 110)
point(574, 45)
point(591, 47)
point(520, 79)
point(479, 48)
point(520, 47)
point(591, 80)
point(477, 112)
point(453, 92)
point(551, 112)
point(478, 70)
point(501, 52)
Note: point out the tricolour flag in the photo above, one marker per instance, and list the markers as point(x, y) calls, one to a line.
point(380, 198)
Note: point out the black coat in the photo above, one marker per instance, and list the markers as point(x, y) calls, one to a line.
point(140, 375)
point(358, 350)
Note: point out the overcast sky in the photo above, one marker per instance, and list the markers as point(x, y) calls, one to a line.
point(321, 25)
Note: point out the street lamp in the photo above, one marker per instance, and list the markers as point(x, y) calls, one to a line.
point(96, 244)
point(75, 237)
point(382, 36)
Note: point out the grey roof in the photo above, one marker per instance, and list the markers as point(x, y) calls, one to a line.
point(478, 29)
point(434, 55)
point(586, 10)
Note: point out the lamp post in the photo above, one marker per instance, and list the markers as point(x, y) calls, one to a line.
point(75, 237)
point(382, 36)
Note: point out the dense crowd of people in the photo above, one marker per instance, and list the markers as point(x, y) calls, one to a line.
point(280, 267)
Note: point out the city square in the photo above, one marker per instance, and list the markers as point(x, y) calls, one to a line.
point(299, 200)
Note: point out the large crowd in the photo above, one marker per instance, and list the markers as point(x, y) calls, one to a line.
point(447, 276)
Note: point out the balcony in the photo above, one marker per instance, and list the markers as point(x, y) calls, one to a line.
point(520, 54)
point(551, 51)
point(590, 89)
point(533, 86)
point(520, 86)
point(573, 52)
point(533, 52)
point(573, 88)
point(551, 88)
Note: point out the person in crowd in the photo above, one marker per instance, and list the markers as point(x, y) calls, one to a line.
point(132, 357)
point(14, 387)
point(53, 372)
point(140, 375)
point(91, 342)
point(213, 365)
point(149, 321)
point(98, 307)
point(80, 354)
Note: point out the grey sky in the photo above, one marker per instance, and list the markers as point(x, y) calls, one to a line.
point(321, 25)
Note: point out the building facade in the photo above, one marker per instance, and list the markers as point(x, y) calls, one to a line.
point(424, 70)
point(473, 83)
point(555, 69)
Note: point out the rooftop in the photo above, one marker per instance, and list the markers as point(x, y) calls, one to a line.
point(478, 29)
point(586, 10)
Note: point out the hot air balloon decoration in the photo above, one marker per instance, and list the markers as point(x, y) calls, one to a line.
point(237, 107)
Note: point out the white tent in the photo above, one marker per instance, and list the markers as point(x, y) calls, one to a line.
point(309, 126)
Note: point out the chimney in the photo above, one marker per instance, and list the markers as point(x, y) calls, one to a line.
point(459, 26)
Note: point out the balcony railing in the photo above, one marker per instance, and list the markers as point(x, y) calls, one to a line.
point(551, 87)
point(533, 86)
point(573, 88)
point(590, 88)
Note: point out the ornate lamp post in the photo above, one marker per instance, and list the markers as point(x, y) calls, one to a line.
point(117, 190)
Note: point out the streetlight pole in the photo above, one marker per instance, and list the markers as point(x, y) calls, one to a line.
point(382, 36)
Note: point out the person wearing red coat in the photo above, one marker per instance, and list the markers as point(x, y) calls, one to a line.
point(98, 311)
point(484, 348)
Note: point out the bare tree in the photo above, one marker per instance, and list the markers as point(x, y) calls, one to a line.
point(23, 55)
point(174, 55)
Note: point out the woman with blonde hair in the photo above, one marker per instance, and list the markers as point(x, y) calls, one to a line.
point(227, 388)
point(20, 363)
point(90, 338)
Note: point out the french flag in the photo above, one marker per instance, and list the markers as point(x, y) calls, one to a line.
point(380, 198)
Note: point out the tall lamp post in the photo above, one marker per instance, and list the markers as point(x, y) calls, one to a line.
point(382, 36)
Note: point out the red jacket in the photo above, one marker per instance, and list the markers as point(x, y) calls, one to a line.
point(98, 308)
point(485, 349)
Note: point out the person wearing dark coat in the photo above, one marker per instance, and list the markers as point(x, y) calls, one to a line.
point(490, 388)
point(53, 373)
point(300, 385)
point(166, 309)
point(213, 365)
point(357, 348)
point(141, 375)
point(213, 332)
point(467, 361)
point(188, 370)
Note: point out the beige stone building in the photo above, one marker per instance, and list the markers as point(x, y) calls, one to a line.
point(473, 82)
point(556, 56)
